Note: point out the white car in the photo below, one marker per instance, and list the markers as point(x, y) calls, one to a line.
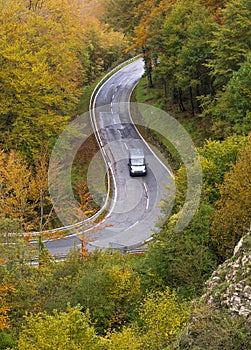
point(137, 163)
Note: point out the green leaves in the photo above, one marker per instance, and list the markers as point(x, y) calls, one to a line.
point(231, 40)
point(68, 330)
point(176, 35)
point(182, 260)
point(161, 316)
point(218, 157)
point(109, 288)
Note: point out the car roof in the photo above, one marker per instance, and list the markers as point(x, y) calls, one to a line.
point(136, 152)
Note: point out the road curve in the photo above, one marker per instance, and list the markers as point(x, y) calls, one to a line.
point(135, 200)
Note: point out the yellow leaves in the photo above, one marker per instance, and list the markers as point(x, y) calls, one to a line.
point(162, 315)
point(126, 339)
point(68, 330)
point(17, 187)
point(123, 284)
point(86, 203)
point(41, 71)
point(123, 289)
point(48, 50)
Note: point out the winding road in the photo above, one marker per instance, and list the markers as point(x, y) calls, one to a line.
point(134, 206)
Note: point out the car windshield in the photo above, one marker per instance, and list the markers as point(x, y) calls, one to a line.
point(139, 161)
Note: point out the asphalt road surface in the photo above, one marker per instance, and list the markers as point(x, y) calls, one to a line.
point(134, 206)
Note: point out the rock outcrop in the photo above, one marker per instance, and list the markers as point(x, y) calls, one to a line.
point(230, 285)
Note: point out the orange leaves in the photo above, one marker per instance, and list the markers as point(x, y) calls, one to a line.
point(215, 6)
point(4, 308)
point(151, 14)
point(23, 193)
point(145, 13)
point(18, 188)
point(85, 200)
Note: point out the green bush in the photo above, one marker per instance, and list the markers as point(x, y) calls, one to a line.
point(214, 329)
point(6, 340)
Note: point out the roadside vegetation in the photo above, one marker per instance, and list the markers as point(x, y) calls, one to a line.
point(198, 69)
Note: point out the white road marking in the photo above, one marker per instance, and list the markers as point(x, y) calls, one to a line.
point(145, 187)
point(149, 239)
point(128, 228)
point(147, 145)
point(147, 197)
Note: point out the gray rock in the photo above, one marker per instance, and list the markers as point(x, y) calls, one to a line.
point(232, 278)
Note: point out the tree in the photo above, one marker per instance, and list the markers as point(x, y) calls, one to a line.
point(218, 157)
point(121, 15)
point(232, 218)
point(102, 47)
point(70, 330)
point(149, 14)
point(44, 206)
point(48, 52)
point(183, 50)
point(40, 75)
point(233, 104)
point(231, 41)
point(215, 6)
point(40, 288)
point(109, 288)
point(181, 260)
point(239, 91)
point(4, 307)
point(17, 191)
point(162, 315)
point(128, 338)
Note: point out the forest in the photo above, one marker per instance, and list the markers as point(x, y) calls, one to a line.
point(197, 58)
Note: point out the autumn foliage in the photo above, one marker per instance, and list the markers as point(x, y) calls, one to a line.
point(4, 307)
point(49, 50)
point(197, 57)
point(232, 218)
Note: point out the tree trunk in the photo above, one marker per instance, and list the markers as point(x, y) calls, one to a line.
point(191, 98)
point(148, 66)
point(165, 89)
point(182, 108)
